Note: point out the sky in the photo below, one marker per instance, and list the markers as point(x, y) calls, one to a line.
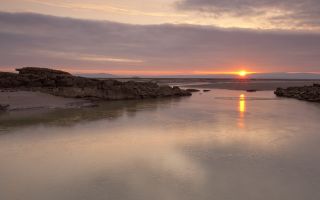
point(161, 37)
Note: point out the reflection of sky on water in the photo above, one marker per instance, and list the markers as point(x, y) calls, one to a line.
point(193, 148)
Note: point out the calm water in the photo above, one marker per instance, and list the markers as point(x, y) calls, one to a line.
point(224, 145)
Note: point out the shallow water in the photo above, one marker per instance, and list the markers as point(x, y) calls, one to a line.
point(218, 145)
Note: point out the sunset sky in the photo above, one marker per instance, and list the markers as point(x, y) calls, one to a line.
point(161, 37)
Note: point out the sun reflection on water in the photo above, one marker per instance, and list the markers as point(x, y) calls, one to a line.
point(242, 110)
point(242, 104)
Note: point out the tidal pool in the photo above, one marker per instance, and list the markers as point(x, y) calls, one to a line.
point(224, 145)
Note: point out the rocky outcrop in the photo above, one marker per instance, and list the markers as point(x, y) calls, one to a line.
point(41, 71)
point(62, 83)
point(3, 107)
point(307, 93)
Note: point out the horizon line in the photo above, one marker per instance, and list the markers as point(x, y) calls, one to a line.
point(162, 73)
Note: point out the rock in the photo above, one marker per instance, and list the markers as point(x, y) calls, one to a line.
point(306, 93)
point(251, 90)
point(193, 90)
point(41, 71)
point(64, 84)
point(206, 90)
point(4, 107)
point(83, 105)
point(49, 83)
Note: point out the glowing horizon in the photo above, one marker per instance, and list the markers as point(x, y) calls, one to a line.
point(76, 70)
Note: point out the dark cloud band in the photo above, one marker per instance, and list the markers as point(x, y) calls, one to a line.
point(32, 39)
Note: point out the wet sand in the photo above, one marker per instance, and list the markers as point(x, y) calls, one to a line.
point(24, 100)
point(260, 85)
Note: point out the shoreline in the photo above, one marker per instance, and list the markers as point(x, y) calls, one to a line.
point(32, 100)
point(19, 99)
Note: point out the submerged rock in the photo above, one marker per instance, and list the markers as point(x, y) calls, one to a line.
point(64, 84)
point(206, 90)
point(307, 93)
point(193, 90)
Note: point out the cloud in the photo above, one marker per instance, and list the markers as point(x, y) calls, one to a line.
point(103, 8)
point(38, 40)
point(294, 13)
point(84, 57)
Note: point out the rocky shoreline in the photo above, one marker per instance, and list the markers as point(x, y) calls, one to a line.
point(306, 93)
point(60, 83)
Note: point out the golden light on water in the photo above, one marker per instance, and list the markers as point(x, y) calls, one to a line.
point(242, 110)
point(242, 104)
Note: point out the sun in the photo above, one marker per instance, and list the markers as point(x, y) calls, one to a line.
point(242, 73)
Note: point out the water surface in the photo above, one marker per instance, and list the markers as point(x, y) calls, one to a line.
point(219, 145)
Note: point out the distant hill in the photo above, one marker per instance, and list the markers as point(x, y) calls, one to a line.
point(97, 75)
point(195, 76)
point(280, 75)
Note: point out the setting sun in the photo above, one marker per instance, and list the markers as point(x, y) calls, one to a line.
point(242, 73)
